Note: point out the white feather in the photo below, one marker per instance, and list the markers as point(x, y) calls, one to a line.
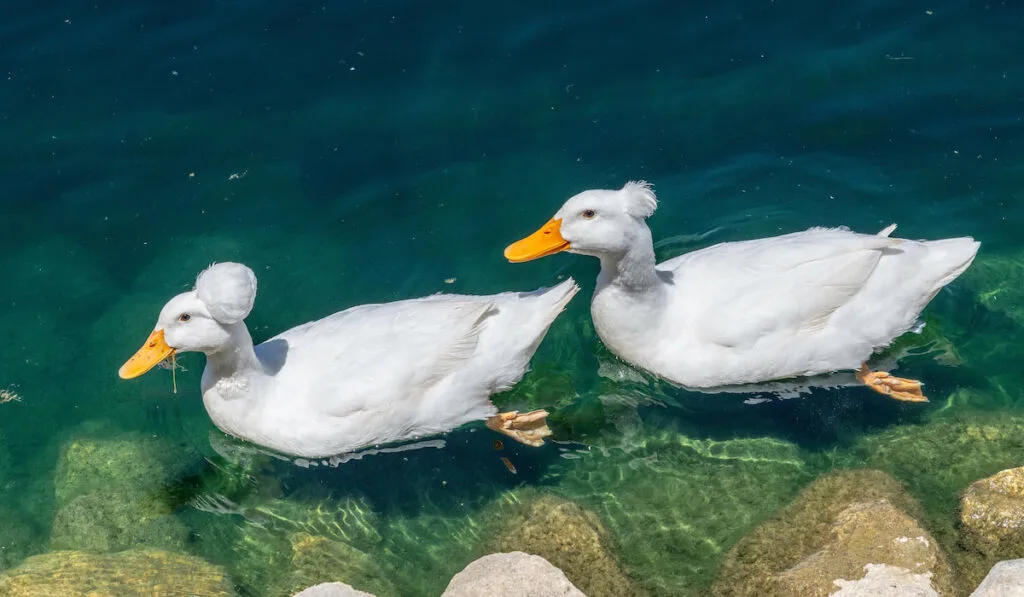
point(228, 290)
point(641, 202)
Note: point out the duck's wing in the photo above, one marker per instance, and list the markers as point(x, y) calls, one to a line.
point(789, 284)
point(374, 357)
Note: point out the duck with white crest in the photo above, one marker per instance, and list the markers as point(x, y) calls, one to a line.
point(369, 375)
point(797, 305)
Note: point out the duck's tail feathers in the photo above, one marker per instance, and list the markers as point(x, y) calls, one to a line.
point(951, 257)
point(519, 328)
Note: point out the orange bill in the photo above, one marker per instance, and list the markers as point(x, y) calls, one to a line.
point(152, 352)
point(546, 241)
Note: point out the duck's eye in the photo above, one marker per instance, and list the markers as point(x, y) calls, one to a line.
point(184, 318)
point(588, 214)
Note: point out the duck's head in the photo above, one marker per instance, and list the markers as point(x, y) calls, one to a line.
point(596, 222)
point(200, 319)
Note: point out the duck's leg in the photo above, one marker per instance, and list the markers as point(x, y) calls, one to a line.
point(908, 390)
point(529, 428)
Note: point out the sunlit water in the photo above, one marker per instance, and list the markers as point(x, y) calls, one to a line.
point(357, 152)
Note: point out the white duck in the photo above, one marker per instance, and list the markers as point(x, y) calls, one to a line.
point(372, 374)
point(795, 305)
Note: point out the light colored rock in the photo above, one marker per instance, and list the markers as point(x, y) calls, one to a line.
point(331, 589)
point(887, 581)
point(992, 511)
point(1006, 579)
point(513, 574)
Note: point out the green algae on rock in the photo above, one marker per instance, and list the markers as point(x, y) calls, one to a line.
point(570, 538)
point(100, 458)
point(423, 551)
point(111, 492)
point(274, 563)
point(318, 559)
point(261, 558)
point(992, 514)
point(285, 545)
point(675, 503)
point(835, 527)
point(955, 451)
point(109, 521)
point(134, 573)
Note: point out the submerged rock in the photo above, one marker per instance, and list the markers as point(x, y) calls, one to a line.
point(102, 458)
point(331, 589)
point(135, 573)
point(285, 545)
point(317, 559)
point(513, 574)
point(261, 559)
point(835, 528)
point(674, 502)
point(110, 492)
point(274, 562)
point(938, 460)
point(109, 521)
point(570, 538)
point(862, 535)
point(424, 550)
point(1006, 579)
point(992, 513)
point(954, 451)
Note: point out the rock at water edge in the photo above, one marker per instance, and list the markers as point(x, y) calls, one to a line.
point(331, 589)
point(1006, 579)
point(513, 574)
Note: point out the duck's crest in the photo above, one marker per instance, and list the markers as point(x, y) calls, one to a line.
point(640, 197)
point(228, 290)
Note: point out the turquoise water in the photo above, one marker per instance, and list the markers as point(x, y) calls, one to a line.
point(360, 152)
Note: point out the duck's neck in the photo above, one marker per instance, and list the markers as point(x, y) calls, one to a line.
point(629, 301)
point(236, 360)
point(631, 272)
point(232, 385)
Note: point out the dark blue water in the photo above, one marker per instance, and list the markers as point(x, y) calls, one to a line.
point(366, 151)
